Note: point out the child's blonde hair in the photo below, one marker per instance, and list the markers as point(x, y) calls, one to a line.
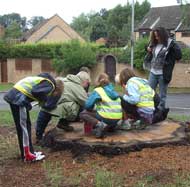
point(125, 75)
point(102, 80)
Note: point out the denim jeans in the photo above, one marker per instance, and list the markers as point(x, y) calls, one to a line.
point(154, 81)
point(41, 123)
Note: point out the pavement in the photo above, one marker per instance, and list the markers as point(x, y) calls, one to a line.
point(178, 103)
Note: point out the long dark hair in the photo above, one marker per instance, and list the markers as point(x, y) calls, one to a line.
point(162, 33)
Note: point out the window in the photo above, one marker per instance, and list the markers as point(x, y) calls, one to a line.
point(23, 64)
point(185, 34)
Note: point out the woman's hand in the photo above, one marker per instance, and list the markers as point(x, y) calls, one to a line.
point(149, 49)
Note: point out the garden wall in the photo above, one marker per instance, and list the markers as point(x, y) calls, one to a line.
point(17, 69)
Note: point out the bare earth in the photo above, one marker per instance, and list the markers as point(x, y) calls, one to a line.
point(163, 164)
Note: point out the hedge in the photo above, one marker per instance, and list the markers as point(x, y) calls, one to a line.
point(73, 54)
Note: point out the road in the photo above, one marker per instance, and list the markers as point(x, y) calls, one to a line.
point(178, 103)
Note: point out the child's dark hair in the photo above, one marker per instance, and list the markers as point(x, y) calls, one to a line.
point(125, 75)
point(102, 80)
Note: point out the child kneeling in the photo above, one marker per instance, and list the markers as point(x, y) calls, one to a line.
point(103, 107)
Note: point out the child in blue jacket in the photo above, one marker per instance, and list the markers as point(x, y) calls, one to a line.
point(103, 107)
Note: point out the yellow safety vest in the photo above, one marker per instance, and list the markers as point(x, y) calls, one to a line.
point(25, 85)
point(146, 93)
point(108, 108)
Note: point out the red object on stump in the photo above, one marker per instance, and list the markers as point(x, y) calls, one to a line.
point(87, 128)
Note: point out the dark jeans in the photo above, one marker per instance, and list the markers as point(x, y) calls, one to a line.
point(132, 109)
point(43, 120)
point(41, 123)
point(92, 117)
point(16, 117)
point(129, 108)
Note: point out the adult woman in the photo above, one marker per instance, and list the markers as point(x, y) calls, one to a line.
point(165, 52)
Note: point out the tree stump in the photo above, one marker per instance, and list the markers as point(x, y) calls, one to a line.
point(120, 141)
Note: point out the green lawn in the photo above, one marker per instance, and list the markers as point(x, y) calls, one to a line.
point(5, 87)
point(6, 118)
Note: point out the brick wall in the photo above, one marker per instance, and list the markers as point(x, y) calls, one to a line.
point(180, 76)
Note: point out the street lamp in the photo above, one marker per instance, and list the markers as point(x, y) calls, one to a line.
point(132, 34)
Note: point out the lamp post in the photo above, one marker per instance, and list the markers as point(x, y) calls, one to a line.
point(132, 34)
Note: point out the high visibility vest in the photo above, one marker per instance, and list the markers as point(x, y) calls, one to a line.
point(146, 93)
point(108, 108)
point(25, 85)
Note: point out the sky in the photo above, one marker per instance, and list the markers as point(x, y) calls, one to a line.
point(67, 9)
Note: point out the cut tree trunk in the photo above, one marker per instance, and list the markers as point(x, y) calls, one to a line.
point(120, 141)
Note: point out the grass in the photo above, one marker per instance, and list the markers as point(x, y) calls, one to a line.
point(104, 178)
point(178, 117)
point(5, 86)
point(178, 180)
point(8, 147)
point(53, 172)
point(6, 118)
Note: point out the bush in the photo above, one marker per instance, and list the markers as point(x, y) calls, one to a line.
point(186, 55)
point(73, 55)
point(139, 52)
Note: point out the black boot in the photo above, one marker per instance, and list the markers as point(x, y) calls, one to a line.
point(160, 115)
point(64, 124)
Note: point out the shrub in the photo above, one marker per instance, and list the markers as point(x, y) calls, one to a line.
point(139, 52)
point(73, 55)
point(186, 54)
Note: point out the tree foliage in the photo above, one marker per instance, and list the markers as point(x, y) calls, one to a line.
point(74, 55)
point(114, 24)
point(15, 25)
point(35, 20)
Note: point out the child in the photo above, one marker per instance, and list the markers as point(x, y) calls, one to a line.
point(138, 99)
point(33, 88)
point(107, 105)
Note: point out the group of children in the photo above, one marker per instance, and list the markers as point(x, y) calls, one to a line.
point(104, 108)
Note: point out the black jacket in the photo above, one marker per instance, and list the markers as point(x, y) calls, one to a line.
point(172, 54)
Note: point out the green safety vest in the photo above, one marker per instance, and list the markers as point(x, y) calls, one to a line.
point(108, 108)
point(146, 93)
point(25, 85)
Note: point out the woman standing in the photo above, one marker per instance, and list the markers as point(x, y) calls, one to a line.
point(165, 51)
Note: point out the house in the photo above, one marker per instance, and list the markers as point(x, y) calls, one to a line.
point(169, 17)
point(54, 29)
point(102, 41)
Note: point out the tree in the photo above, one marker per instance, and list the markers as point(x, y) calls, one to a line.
point(14, 25)
point(98, 28)
point(35, 20)
point(81, 25)
point(8, 19)
point(13, 31)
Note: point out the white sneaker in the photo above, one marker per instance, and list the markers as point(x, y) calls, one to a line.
point(39, 157)
point(38, 153)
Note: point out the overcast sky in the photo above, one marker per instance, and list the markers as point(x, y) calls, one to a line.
point(67, 9)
